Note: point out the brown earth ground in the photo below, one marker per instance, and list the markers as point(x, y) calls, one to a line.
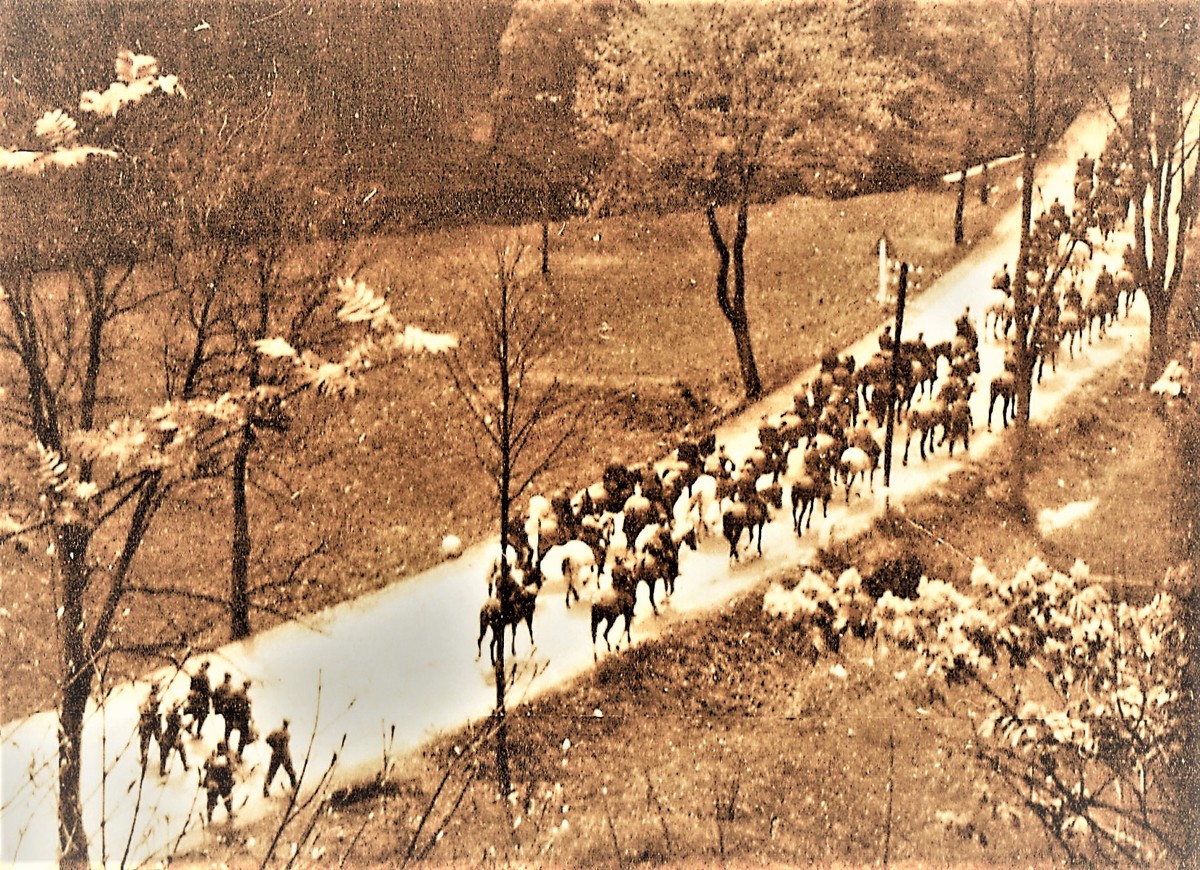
point(721, 742)
point(381, 478)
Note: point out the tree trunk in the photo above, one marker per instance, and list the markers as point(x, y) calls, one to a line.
point(241, 545)
point(1156, 359)
point(78, 670)
point(1020, 284)
point(893, 403)
point(72, 838)
point(733, 306)
point(740, 322)
point(1021, 306)
point(503, 774)
point(504, 361)
point(985, 185)
point(239, 584)
point(545, 247)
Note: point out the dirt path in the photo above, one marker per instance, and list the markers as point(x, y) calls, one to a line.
point(402, 655)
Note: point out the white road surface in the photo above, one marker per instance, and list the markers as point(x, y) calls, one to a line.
point(405, 656)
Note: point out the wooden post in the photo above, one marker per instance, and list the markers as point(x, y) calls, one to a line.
point(901, 293)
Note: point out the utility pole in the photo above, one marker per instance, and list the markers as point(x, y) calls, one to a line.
point(894, 401)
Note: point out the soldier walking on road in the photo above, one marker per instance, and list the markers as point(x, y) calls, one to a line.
point(218, 780)
point(149, 724)
point(237, 717)
point(281, 756)
point(199, 696)
point(172, 740)
point(220, 698)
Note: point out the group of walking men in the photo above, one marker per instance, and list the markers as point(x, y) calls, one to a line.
point(233, 706)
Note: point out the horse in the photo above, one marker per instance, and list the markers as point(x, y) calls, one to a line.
point(1102, 309)
point(496, 615)
point(619, 600)
point(579, 565)
point(1069, 327)
point(808, 476)
point(924, 419)
point(658, 557)
point(749, 515)
point(1045, 345)
point(1001, 313)
point(854, 463)
point(806, 491)
point(1004, 387)
point(639, 512)
point(1124, 285)
point(958, 425)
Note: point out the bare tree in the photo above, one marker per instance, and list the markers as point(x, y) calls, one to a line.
point(97, 476)
point(246, 217)
point(522, 426)
point(1152, 52)
point(108, 437)
point(1025, 66)
point(1044, 93)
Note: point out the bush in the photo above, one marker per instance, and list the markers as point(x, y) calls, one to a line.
point(1084, 706)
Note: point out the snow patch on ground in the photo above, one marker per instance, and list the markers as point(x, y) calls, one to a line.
point(1069, 515)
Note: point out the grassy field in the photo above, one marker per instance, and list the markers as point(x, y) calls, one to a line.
point(721, 741)
point(383, 477)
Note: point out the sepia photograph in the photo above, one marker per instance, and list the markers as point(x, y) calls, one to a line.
point(599, 433)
